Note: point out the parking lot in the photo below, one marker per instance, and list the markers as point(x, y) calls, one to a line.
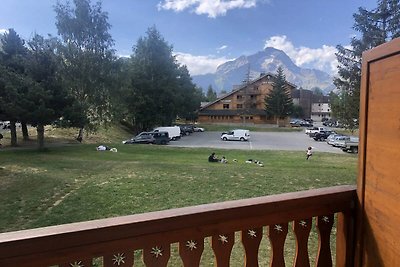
point(297, 141)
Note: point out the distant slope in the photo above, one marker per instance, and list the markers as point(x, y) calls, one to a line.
point(233, 72)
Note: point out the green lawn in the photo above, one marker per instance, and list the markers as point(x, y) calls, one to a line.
point(77, 183)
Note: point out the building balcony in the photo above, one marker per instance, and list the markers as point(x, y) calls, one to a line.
point(114, 241)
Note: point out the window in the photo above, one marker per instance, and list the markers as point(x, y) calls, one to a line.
point(239, 105)
point(239, 97)
point(225, 106)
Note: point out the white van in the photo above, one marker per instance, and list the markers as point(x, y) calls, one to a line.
point(174, 132)
point(237, 134)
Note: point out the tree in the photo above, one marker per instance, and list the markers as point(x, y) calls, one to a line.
point(160, 88)
point(87, 56)
point(13, 80)
point(278, 102)
point(375, 27)
point(211, 94)
point(46, 99)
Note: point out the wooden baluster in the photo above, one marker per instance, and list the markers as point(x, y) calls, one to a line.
point(324, 226)
point(345, 239)
point(119, 258)
point(222, 245)
point(78, 263)
point(251, 239)
point(277, 235)
point(190, 252)
point(302, 230)
point(157, 256)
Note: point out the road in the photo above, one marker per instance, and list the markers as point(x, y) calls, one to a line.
point(297, 141)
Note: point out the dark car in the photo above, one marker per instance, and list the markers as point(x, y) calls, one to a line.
point(322, 135)
point(142, 138)
point(186, 129)
point(159, 138)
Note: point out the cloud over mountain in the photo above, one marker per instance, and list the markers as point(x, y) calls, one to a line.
point(233, 72)
point(319, 58)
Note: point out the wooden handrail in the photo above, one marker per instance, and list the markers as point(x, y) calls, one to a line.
point(50, 245)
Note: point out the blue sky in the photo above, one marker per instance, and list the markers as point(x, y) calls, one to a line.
point(206, 33)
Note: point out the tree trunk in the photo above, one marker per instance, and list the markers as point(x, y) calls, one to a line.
point(80, 135)
point(25, 133)
point(40, 136)
point(13, 132)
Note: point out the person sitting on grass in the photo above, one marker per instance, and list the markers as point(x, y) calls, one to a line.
point(213, 158)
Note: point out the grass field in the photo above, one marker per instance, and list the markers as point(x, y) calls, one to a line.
point(74, 182)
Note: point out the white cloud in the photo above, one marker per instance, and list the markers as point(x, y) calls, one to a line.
point(222, 47)
point(319, 58)
point(211, 8)
point(200, 64)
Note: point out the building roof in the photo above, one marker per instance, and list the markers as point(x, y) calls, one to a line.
point(231, 112)
point(242, 87)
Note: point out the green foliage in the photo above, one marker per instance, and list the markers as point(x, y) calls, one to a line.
point(13, 82)
point(297, 111)
point(278, 102)
point(160, 89)
point(211, 95)
point(87, 57)
point(376, 27)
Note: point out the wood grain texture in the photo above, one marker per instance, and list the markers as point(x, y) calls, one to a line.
point(222, 245)
point(378, 184)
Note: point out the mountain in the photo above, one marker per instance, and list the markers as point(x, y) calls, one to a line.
point(233, 73)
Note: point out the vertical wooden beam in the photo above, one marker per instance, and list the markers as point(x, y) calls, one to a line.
point(222, 245)
point(277, 235)
point(191, 251)
point(251, 239)
point(345, 243)
point(302, 229)
point(324, 226)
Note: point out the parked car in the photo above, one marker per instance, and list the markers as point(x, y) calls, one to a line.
point(142, 138)
point(312, 131)
point(159, 138)
point(237, 134)
point(186, 129)
point(174, 132)
point(198, 129)
point(331, 138)
point(340, 141)
point(351, 145)
point(322, 135)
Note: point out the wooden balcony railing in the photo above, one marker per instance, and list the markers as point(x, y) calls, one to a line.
point(115, 240)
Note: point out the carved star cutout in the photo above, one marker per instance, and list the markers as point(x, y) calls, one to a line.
point(119, 259)
point(156, 251)
point(303, 223)
point(191, 244)
point(278, 228)
point(223, 239)
point(325, 219)
point(252, 233)
point(76, 264)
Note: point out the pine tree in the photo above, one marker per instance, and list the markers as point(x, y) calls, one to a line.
point(278, 102)
point(211, 94)
point(13, 82)
point(375, 27)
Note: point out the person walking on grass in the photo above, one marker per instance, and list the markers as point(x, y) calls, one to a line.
point(309, 152)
